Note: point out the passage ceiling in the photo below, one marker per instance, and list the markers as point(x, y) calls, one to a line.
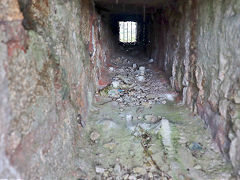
point(130, 6)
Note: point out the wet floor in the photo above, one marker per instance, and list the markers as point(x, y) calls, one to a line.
point(137, 129)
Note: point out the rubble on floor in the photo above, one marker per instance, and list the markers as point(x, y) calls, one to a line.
point(143, 134)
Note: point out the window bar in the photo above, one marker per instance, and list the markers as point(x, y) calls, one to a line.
point(127, 32)
point(124, 34)
point(131, 33)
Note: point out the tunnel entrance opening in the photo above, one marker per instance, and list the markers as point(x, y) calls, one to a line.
point(130, 31)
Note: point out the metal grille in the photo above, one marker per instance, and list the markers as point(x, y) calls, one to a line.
point(127, 32)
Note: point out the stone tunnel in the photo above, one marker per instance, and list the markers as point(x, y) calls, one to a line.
point(59, 57)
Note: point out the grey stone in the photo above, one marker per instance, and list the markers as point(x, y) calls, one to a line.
point(99, 170)
point(94, 136)
point(126, 176)
point(110, 146)
point(132, 177)
point(141, 78)
point(139, 170)
point(198, 167)
point(151, 118)
point(129, 118)
point(117, 169)
point(131, 153)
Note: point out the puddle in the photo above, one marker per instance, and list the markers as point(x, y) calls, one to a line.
point(177, 146)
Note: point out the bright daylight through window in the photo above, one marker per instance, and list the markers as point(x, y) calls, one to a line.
point(127, 32)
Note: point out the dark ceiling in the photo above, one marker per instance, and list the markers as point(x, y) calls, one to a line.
point(130, 6)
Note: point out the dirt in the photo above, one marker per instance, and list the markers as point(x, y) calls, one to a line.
point(174, 145)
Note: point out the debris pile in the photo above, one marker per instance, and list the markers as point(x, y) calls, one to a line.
point(132, 86)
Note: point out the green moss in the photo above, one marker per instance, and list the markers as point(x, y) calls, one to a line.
point(65, 91)
point(104, 92)
point(159, 137)
point(175, 138)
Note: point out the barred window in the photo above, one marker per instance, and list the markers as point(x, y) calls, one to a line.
point(127, 32)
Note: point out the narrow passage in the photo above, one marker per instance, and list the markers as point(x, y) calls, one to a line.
point(138, 129)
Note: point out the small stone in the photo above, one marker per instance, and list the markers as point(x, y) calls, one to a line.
point(181, 177)
point(106, 174)
point(117, 169)
point(131, 153)
point(194, 146)
point(156, 176)
point(198, 167)
point(129, 117)
point(131, 93)
point(109, 146)
point(141, 78)
point(99, 170)
point(164, 102)
point(132, 177)
point(139, 170)
point(108, 124)
point(115, 84)
point(142, 73)
point(150, 61)
point(150, 96)
point(125, 177)
point(182, 140)
point(141, 68)
point(150, 175)
point(145, 104)
point(119, 100)
point(111, 69)
point(151, 119)
point(134, 66)
point(94, 136)
point(151, 102)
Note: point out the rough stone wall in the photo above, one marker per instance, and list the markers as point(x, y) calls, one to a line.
point(51, 61)
point(197, 43)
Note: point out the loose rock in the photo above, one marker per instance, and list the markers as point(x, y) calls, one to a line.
point(125, 177)
point(110, 146)
point(115, 84)
point(139, 170)
point(99, 170)
point(111, 69)
point(129, 117)
point(198, 167)
point(117, 169)
point(94, 136)
point(151, 119)
point(141, 78)
point(132, 177)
